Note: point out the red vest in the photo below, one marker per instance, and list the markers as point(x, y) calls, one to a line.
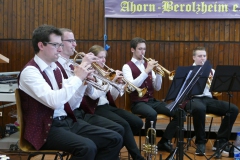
point(89, 105)
point(146, 84)
point(36, 116)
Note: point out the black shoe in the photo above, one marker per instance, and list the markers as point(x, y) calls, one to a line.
point(224, 150)
point(167, 146)
point(200, 151)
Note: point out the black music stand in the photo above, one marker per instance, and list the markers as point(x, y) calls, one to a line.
point(188, 81)
point(226, 79)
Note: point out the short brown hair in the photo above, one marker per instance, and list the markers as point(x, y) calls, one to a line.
point(63, 30)
point(199, 48)
point(42, 34)
point(134, 42)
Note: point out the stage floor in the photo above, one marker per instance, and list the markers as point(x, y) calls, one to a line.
point(6, 142)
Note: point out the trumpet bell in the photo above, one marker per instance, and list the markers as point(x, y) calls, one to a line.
point(171, 75)
point(142, 93)
point(216, 94)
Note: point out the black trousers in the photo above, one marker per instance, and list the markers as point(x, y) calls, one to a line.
point(83, 141)
point(202, 105)
point(99, 121)
point(130, 122)
point(150, 110)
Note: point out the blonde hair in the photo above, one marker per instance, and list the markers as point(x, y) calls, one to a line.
point(96, 49)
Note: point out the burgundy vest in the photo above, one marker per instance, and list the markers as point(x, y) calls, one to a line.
point(89, 105)
point(36, 116)
point(62, 70)
point(146, 84)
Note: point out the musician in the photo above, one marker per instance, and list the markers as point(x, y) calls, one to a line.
point(141, 74)
point(205, 103)
point(82, 113)
point(47, 99)
point(108, 109)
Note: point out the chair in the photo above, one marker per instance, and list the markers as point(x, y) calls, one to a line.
point(128, 108)
point(208, 115)
point(25, 145)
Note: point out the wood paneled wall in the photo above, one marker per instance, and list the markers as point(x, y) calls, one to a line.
point(170, 41)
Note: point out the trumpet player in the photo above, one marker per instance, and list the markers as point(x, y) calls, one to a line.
point(47, 100)
point(205, 103)
point(141, 74)
point(81, 113)
point(106, 107)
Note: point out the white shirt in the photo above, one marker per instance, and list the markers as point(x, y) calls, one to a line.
point(102, 94)
point(127, 73)
point(32, 82)
point(206, 91)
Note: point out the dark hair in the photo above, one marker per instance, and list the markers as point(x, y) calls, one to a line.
point(96, 49)
point(198, 49)
point(42, 33)
point(134, 42)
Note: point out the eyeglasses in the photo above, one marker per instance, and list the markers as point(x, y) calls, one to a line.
point(56, 45)
point(70, 40)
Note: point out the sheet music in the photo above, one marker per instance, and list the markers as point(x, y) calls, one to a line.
point(180, 92)
point(171, 105)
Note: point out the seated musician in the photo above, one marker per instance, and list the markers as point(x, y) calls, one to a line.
point(84, 112)
point(141, 74)
point(47, 99)
point(106, 107)
point(205, 103)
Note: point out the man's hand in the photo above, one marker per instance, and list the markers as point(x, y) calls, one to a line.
point(82, 70)
point(118, 77)
point(151, 64)
point(90, 58)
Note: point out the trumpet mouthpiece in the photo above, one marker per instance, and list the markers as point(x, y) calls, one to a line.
point(74, 50)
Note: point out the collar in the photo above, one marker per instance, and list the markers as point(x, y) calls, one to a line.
point(42, 65)
point(135, 61)
point(62, 61)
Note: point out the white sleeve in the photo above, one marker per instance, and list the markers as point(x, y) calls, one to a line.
point(127, 74)
point(32, 82)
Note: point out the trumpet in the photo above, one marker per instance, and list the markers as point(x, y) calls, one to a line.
point(141, 92)
point(209, 82)
point(94, 64)
point(150, 147)
point(91, 82)
point(103, 74)
point(161, 70)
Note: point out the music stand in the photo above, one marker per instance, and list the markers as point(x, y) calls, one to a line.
point(226, 79)
point(188, 81)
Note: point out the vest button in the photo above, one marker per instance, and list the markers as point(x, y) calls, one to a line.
point(46, 131)
point(50, 117)
point(44, 140)
point(49, 124)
